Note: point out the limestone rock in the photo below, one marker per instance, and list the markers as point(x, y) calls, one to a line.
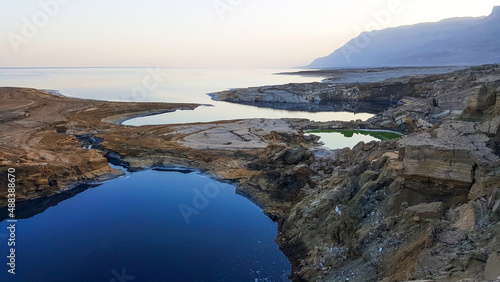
point(492, 270)
point(445, 159)
point(423, 124)
point(431, 210)
point(481, 98)
point(466, 218)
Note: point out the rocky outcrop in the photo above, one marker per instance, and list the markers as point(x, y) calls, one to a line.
point(422, 95)
point(492, 271)
point(320, 96)
point(40, 139)
point(425, 206)
point(421, 207)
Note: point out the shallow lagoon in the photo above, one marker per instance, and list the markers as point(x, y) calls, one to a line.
point(338, 139)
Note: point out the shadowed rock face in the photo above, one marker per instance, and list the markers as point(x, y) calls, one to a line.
point(328, 106)
point(370, 97)
point(403, 210)
point(321, 96)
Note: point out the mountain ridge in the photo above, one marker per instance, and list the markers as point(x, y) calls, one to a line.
point(449, 42)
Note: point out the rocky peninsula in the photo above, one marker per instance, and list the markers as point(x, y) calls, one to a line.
point(423, 207)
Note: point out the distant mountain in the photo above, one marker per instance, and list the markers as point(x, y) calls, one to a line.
point(457, 41)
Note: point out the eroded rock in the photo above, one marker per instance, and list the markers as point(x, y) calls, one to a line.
point(492, 270)
point(430, 210)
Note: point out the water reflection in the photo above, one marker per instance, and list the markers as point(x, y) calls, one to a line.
point(135, 223)
point(338, 139)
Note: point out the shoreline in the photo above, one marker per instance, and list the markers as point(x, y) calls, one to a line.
point(375, 195)
point(120, 122)
point(40, 137)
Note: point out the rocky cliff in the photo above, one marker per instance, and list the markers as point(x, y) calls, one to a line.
point(422, 207)
point(426, 206)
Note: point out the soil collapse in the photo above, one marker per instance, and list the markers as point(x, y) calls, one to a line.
point(423, 207)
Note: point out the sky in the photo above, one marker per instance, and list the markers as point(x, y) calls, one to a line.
point(201, 33)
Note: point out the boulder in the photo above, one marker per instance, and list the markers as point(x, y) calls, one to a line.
point(481, 98)
point(423, 124)
point(466, 218)
point(295, 155)
point(366, 176)
point(426, 210)
point(492, 270)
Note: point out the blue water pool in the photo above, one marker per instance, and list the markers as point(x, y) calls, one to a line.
point(146, 226)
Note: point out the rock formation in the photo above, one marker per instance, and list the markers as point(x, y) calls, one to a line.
point(451, 42)
point(423, 207)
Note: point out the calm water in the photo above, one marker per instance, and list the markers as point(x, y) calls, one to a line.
point(134, 225)
point(335, 140)
point(349, 138)
point(167, 85)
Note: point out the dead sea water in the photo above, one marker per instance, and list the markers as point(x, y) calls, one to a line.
point(168, 85)
point(151, 225)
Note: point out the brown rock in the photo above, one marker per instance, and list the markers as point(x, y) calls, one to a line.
point(42, 146)
point(367, 176)
point(295, 155)
point(495, 243)
point(42, 181)
point(481, 98)
point(466, 219)
point(476, 191)
point(431, 210)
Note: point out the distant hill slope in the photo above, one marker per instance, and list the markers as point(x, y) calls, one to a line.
point(457, 41)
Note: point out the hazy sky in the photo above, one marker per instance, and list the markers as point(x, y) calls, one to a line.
point(201, 33)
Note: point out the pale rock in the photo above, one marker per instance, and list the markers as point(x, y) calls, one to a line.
point(423, 124)
point(492, 270)
point(466, 218)
point(426, 210)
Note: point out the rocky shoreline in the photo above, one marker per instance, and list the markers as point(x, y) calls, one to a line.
point(39, 139)
point(426, 206)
